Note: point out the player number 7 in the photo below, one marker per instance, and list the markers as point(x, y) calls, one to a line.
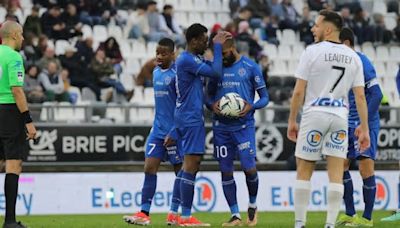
point(342, 70)
point(153, 146)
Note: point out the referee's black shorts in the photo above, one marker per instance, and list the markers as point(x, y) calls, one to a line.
point(13, 143)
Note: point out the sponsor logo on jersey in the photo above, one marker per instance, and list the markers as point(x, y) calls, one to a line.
point(324, 101)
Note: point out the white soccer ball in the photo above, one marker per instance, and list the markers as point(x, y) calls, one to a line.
point(231, 104)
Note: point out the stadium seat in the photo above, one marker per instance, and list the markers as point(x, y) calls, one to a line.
point(138, 49)
point(79, 112)
point(200, 5)
point(185, 5)
point(214, 6)
point(357, 48)
point(292, 66)
point(151, 49)
point(390, 22)
point(225, 6)
point(60, 46)
point(116, 32)
point(288, 37)
point(209, 19)
point(100, 33)
point(75, 91)
point(88, 95)
point(124, 14)
point(46, 113)
point(137, 95)
point(380, 68)
point(284, 52)
point(26, 4)
point(279, 68)
point(223, 18)
point(64, 112)
point(42, 10)
point(181, 18)
point(126, 49)
point(382, 53)
point(195, 17)
point(392, 68)
point(369, 50)
point(298, 5)
point(394, 53)
point(132, 66)
point(87, 31)
point(117, 114)
point(148, 95)
point(379, 7)
point(297, 51)
point(271, 51)
point(127, 81)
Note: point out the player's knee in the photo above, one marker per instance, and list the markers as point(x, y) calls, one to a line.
point(346, 164)
point(226, 174)
point(250, 172)
point(150, 169)
point(366, 172)
point(2, 165)
point(14, 166)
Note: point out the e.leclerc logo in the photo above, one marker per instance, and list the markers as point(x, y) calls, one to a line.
point(382, 197)
point(205, 194)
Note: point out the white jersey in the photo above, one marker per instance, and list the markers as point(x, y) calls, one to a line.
point(331, 70)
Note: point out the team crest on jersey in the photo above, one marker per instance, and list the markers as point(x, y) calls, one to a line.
point(257, 79)
point(197, 60)
point(241, 72)
point(167, 80)
point(18, 65)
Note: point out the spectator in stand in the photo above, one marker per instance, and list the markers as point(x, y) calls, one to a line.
point(71, 18)
point(157, 32)
point(231, 28)
point(277, 9)
point(96, 12)
point(235, 6)
point(290, 16)
point(259, 9)
point(85, 50)
point(49, 56)
point(113, 53)
point(346, 15)
point(396, 30)
point(32, 22)
point(138, 23)
point(353, 5)
point(169, 24)
point(393, 6)
point(305, 26)
point(381, 34)
point(30, 49)
point(42, 45)
point(271, 25)
point(244, 36)
point(32, 87)
point(244, 15)
point(145, 76)
point(14, 8)
point(317, 5)
point(53, 25)
point(264, 65)
point(362, 30)
point(102, 69)
point(54, 82)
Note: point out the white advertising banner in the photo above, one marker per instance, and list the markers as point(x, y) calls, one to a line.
point(92, 193)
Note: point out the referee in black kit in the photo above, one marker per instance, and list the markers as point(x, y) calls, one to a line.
point(16, 125)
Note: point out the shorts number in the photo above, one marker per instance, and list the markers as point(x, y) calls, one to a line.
point(153, 146)
point(342, 70)
point(222, 151)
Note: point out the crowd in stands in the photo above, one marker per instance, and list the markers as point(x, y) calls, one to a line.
point(85, 62)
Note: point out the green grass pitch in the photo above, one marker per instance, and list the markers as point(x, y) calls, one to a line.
point(265, 219)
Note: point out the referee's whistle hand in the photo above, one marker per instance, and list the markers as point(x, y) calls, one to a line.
point(30, 131)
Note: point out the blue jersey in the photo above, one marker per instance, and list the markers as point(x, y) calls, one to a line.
point(370, 81)
point(189, 86)
point(165, 98)
point(243, 77)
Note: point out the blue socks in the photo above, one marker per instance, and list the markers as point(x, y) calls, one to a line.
point(252, 186)
point(148, 190)
point(176, 193)
point(369, 191)
point(229, 187)
point(348, 194)
point(187, 192)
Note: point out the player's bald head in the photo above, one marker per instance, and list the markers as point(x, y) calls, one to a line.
point(228, 43)
point(8, 28)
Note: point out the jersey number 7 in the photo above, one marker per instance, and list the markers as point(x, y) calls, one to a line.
point(342, 70)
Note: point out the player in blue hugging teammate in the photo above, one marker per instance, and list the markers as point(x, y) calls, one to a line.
point(161, 143)
point(235, 137)
point(189, 118)
point(366, 159)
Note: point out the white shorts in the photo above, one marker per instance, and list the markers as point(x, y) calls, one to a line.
point(320, 134)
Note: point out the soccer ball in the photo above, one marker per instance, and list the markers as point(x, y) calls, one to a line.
point(231, 104)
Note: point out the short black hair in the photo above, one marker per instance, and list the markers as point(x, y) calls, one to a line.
point(244, 9)
point(167, 7)
point(167, 42)
point(347, 34)
point(151, 3)
point(195, 31)
point(333, 18)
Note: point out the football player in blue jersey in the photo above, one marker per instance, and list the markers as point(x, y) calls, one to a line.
point(161, 142)
point(366, 158)
point(235, 137)
point(189, 119)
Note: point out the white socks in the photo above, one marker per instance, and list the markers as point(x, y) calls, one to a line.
point(335, 194)
point(301, 198)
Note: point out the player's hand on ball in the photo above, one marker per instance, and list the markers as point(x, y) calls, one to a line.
point(221, 37)
point(215, 108)
point(31, 131)
point(292, 131)
point(247, 108)
point(168, 141)
point(363, 138)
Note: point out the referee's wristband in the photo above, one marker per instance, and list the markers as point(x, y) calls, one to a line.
point(27, 117)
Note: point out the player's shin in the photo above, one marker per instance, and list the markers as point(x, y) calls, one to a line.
point(148, 191)
point(301, 199)
point(348, 193)
point(187, 192)
point(229, 187)
point(369, 191)
point(335, 194)
point(252, 186)
point(176, 193)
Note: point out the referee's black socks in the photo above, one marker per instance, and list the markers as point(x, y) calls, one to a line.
point(11, 192)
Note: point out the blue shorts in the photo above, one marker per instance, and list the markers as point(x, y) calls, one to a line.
point(192, 139)
point(353, 152)
point(229, 145)
point(156, 149)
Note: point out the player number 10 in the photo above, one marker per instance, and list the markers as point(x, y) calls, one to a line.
point(222, 151)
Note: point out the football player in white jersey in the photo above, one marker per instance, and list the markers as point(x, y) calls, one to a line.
point(326, 72)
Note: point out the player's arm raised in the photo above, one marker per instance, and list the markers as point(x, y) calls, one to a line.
point(295, 104)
